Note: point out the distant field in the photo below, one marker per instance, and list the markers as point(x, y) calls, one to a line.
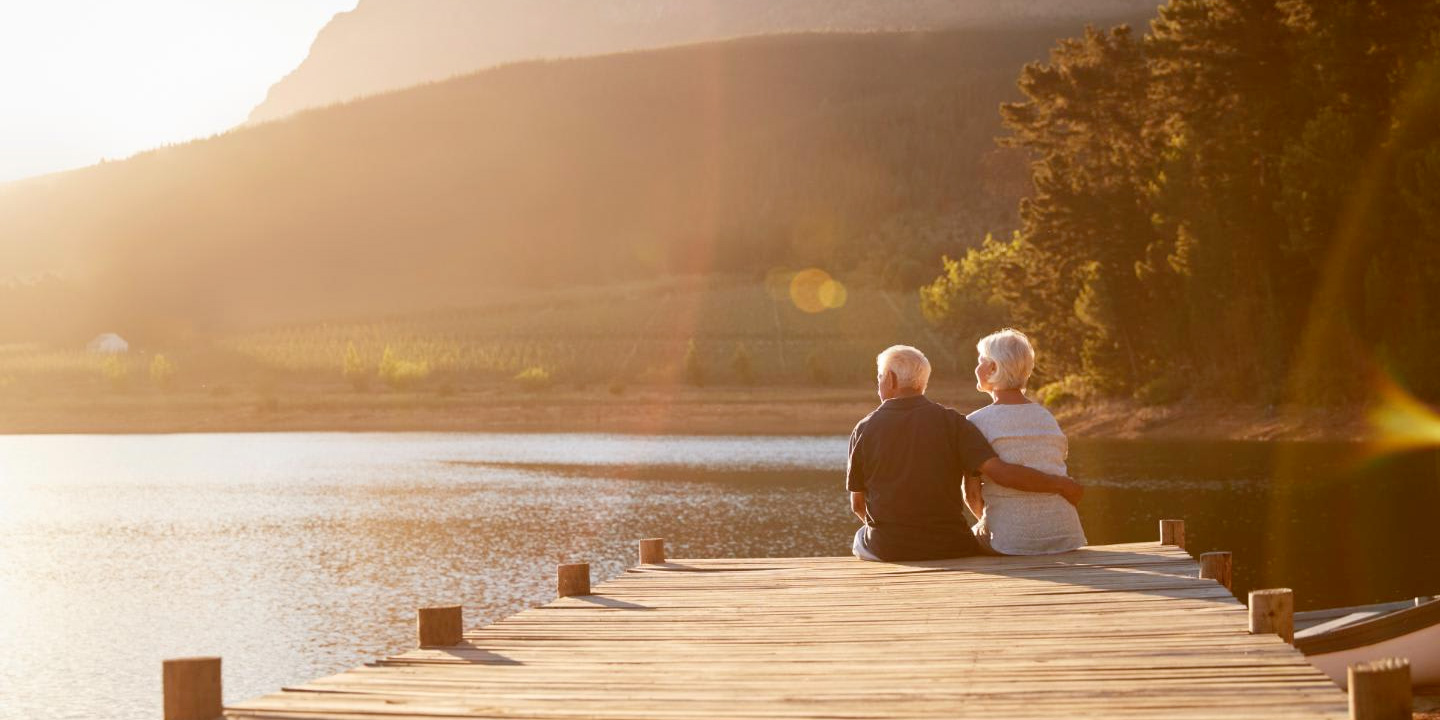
point(631, 333)
point(636, 334)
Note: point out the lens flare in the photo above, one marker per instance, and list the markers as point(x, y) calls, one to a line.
point(814, 291)
point(833, 294)
point(1399, 422)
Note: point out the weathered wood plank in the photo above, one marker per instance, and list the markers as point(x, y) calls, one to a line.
point(1124, 631)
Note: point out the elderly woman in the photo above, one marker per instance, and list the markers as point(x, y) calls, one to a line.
point(1011, 521)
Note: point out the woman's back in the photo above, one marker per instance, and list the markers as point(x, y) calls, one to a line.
point(1015, 522)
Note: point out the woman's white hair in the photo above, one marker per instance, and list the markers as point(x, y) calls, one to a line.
point(909, 365)
point(1013, 356)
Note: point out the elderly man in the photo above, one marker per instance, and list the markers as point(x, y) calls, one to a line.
point(907, 460)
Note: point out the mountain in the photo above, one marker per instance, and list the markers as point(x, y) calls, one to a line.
point(868, 154)
point(390, 44)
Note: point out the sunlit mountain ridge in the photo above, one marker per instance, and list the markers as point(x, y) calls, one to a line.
point(389, 44)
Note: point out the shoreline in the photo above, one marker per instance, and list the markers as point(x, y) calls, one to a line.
point(639, 411)
point(1129, 420)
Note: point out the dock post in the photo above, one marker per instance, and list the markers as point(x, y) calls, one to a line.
point(1273, 611)
point(1380, 690)
point(1216, 566)
point(573, 579)
point(192, 688)
point(652, 551)
point(1172, 532)
point(439, 626)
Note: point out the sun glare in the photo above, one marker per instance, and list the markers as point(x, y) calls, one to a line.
point(86, 80)
point(1400, 423)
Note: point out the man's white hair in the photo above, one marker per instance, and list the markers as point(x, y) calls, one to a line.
point(909, 365)
point(1013, 356)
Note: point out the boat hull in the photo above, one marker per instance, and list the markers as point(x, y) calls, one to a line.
point(1421, 648)
point(1413, 634)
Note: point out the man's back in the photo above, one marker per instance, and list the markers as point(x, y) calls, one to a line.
point(908, 457)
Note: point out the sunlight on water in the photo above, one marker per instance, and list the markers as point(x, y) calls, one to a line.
point(297, 555)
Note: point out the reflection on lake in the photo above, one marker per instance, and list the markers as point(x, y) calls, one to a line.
point(298, 555)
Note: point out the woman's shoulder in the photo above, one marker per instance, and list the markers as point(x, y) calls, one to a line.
point(1027, 408)
point(1028, 415)
point(986, 416)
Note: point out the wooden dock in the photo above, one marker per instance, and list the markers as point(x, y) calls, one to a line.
point(1119, 631)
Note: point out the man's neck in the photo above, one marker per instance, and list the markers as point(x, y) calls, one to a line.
point(901, 394)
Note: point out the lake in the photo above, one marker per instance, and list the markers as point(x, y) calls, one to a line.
point(298, 555)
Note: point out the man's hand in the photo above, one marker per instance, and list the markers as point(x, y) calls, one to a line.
point(1019, 477)
point(974, 497)
point(1073, 492)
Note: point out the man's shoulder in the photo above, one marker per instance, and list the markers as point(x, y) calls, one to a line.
point(860, 426)
point(949, 413)
point(929, 409)
point(960, 424)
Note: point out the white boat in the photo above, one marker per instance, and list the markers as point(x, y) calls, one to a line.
point(1333, 640)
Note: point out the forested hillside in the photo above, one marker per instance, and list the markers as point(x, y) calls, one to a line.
point(1243, 202)
point(389, 44)
point(863, 154)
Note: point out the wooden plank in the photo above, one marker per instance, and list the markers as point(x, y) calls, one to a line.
point(1123, 631)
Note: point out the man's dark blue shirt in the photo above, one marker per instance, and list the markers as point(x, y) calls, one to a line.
point(909, 457)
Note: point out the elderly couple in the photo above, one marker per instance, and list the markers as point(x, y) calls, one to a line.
point(915, 465)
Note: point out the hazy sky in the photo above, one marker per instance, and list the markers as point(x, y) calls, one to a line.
point(82, 80)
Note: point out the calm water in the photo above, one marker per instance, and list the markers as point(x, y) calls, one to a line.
point(299, 555)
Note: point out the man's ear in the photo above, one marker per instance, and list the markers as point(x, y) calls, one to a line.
point(890, 380)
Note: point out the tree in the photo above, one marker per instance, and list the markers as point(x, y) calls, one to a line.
point(1087, 119)
point(1227, 70)
point(983, 290)
point(1249, 189)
